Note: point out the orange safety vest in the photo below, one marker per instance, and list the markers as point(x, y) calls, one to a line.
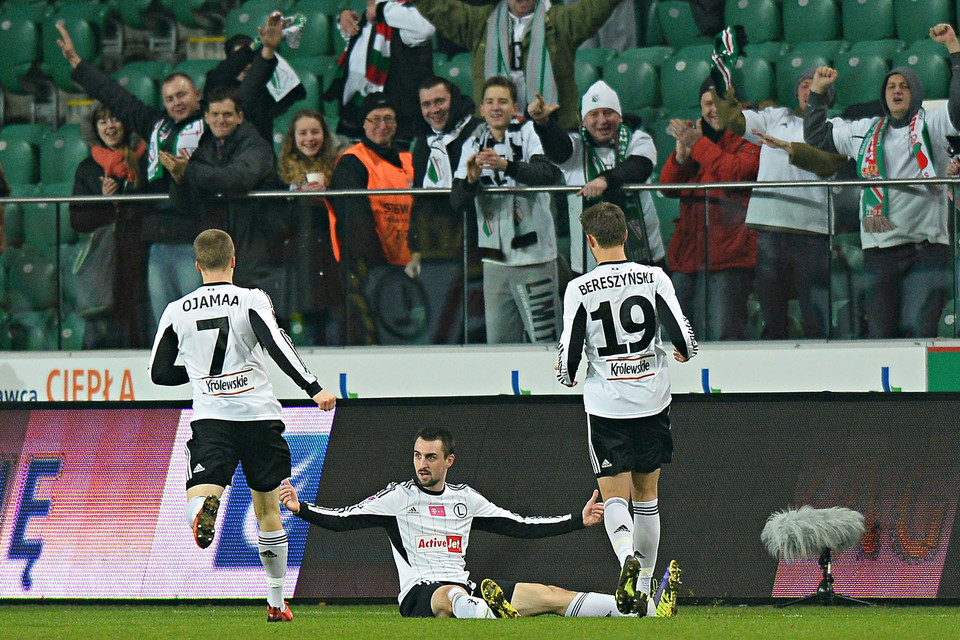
point(391, 214)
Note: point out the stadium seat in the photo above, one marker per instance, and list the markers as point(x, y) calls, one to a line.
point(859, 79)
point(636, 83)
point(653, 55)
point(680, 80)
point(933, 70)
point(457, 70)
point(195, 13)
point(698, 51)
point(928, 46)
point(769, 51)
point(315, 39)
point(31, 281)
point(913, 18)
point(311, 84)
point(597, 56)
point(652, 34)
point(789, 68)
point(867, 20)
point(20, 151)
point(829, 49)
point(140, 84)
point(86, 40)
point(13, 213)
point(668, 209)
point(20, 43)
point(60, 153)
point(805, 20)
point(585, 74)
point(760, 18)
point(247, 17)
point(132, 12)
point(886, 49)
point(754, 80)
point(40, 219)
point(677, 25)
point(197, 70)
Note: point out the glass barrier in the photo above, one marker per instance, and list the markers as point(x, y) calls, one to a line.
point(749, 261)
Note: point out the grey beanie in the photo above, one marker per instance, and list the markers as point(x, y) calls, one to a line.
point(808, 74)
point(916, 92)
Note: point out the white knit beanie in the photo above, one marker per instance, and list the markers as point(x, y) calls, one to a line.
point(599, 96)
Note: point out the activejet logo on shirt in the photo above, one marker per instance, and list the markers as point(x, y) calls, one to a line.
point(439, 544)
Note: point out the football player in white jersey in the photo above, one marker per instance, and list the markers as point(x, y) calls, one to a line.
point(429, 520)
point(614, 314)
point(221, 332)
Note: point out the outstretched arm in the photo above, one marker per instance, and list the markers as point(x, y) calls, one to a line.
point(817, 131)
point(945, 35)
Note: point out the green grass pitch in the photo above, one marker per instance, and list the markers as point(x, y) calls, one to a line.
point(313, 622)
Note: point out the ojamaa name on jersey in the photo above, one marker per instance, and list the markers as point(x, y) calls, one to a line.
point(210, 300)
point(615, 280)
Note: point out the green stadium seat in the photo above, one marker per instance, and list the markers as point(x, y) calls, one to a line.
point(311, 84)
point(139, 84)
point(31, 280)
point(760, 18)
point(440, 58)
point(197, 70)
point(247, 17)
point(20, 151)
point(13, 214)
point(86, 40)
point(71, 332)
point(597, 56)
point(677, 25)
point(133, 12)
point(316, 38)
point(928, 46)
point(933, 70)
point(680, 80)
point(40, 219)
point(789, 68)
point(754, 80)
point(636, 83)
point(458, 71)
point(769, 51)
point(886, 49)
point(652, 55)
point(913, 18)
point(805, 20)
point(698, 51)
point(859, 79)
point(668, 209)
point(20, 43)
point(60, 153)
point(829, 49)
point(867, 20)
point(195, 13)
point(585, 74)
point(652, 34)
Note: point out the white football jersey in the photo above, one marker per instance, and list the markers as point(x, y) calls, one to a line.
point(614, 314)
point(429, 531)
point(217, 331)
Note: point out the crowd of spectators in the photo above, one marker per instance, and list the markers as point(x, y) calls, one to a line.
point(375, 269)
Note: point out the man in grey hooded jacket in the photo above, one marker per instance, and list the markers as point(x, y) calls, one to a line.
point(904, 235)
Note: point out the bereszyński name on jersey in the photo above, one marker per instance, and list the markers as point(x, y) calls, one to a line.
point(616, 280)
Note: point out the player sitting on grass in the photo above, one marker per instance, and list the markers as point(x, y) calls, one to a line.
point(437, 584)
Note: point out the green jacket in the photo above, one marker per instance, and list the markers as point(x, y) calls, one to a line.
point(567, 27)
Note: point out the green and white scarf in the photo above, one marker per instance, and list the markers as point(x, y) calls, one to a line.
point(439, 172)
point(727, 47)
point(870, 166)
point(183, 143)
point(538, 69)
point(638, 245)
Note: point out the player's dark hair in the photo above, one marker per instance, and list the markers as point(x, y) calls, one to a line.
point(432, 434)
point(605, 222)
point(499, 81)
point(214, 249)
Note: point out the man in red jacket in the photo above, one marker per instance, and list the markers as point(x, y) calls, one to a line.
point(714, 296)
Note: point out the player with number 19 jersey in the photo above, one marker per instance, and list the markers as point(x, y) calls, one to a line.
point(221, 331)
point(614, 313)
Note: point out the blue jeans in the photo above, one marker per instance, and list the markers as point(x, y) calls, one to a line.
point(171, 274)
point(793, 265)
point(725, 307)
point(907, 287)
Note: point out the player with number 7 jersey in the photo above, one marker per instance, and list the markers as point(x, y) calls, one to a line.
point(614, 314)
point(220, 331)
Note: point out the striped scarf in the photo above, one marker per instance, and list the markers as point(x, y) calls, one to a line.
point(378, 61)
point(538, 69)
point(870, 166)
point(727, 47)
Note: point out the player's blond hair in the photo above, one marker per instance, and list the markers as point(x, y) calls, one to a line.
point(214, 249)
point(605, 222)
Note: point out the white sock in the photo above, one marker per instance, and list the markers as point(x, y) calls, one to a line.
point(194, 505)
point(619, 526)
point(588, 604)
point(646, 539)
point(467, 606)
point(273, 555)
